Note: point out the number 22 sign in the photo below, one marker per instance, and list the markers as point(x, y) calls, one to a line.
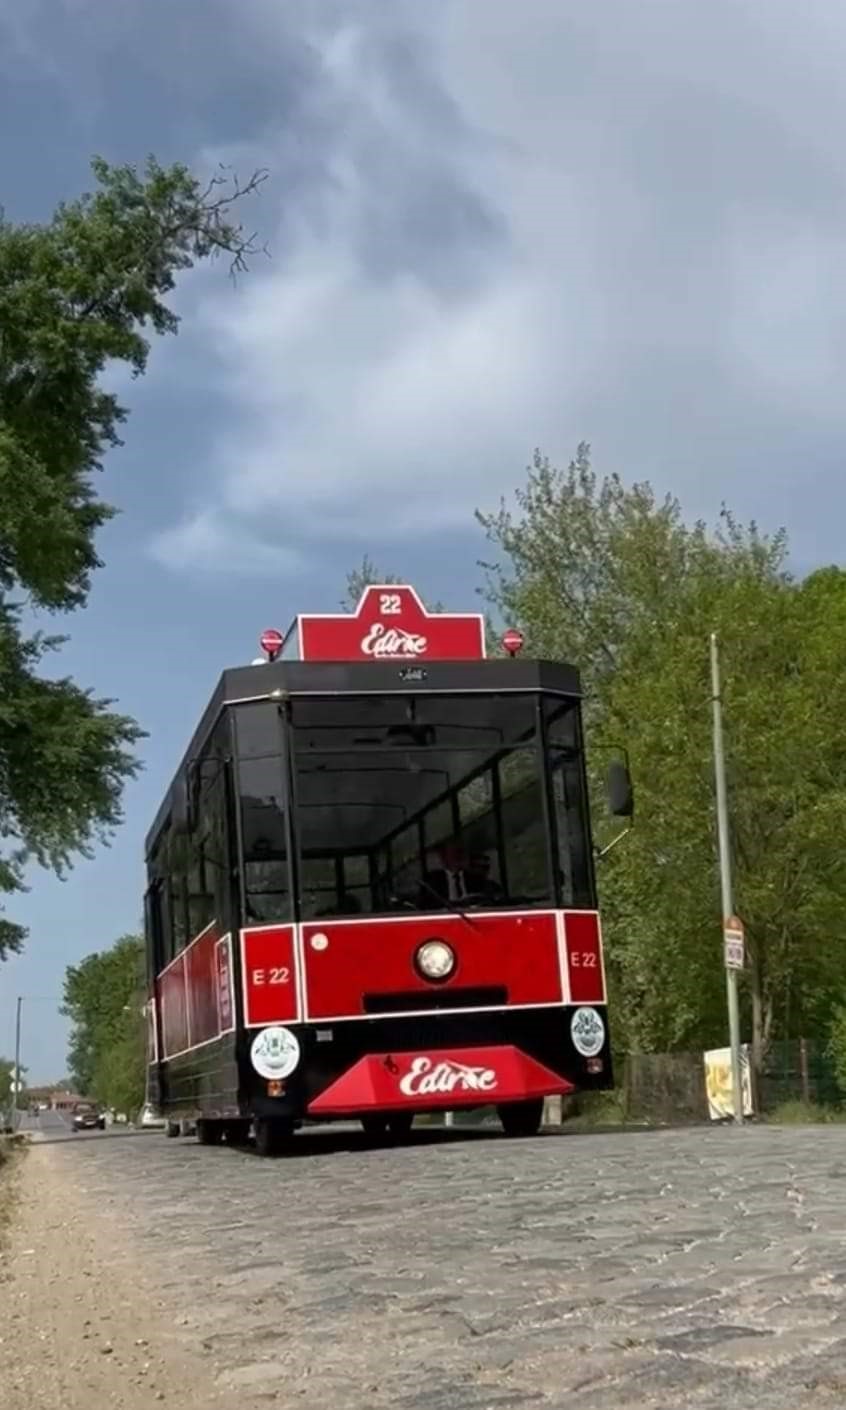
point(584, 958)
point(270, 991)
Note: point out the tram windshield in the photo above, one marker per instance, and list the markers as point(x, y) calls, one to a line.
point(403, 803)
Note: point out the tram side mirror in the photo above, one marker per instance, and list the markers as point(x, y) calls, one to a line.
point(619, 791)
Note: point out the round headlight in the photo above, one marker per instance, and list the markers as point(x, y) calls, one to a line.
point(435, 959)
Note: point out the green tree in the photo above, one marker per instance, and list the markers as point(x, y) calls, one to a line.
point(76, 294)
point(103, 997)
point(614, 579)
point(361, 578)
point(364, 576)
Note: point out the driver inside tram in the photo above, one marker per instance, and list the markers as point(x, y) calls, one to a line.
point(457, 876)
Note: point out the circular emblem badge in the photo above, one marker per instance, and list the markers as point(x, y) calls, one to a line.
point(275, 1053)
point(587, 1031)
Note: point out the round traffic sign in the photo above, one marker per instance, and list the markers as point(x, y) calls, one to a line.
point(513, 640)
point(271, 641)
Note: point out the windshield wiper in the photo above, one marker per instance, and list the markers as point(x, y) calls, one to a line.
point(449, 903)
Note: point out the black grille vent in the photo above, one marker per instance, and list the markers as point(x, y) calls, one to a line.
point(431, 999)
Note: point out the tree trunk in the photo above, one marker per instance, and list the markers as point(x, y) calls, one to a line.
point(804, 1072)
point(762, 1025)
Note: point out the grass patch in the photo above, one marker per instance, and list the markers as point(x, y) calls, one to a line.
point(591, 1109)
point(798, 1113)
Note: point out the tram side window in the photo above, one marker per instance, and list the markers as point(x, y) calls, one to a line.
point(267, 887)
point(571, 830)
point(166, 913)
point(569, 803)
point(176, 862)
point(258, 730)
point(199, 909)
point(523, 827)
point(209, 871)
point(157, 914)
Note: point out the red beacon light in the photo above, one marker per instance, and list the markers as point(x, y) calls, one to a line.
point(271, 642)
point(512, 641)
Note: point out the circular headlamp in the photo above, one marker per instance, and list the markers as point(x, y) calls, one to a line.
point(435, 960)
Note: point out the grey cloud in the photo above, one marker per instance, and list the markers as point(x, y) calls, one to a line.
point(501, 225)
point(656, 205)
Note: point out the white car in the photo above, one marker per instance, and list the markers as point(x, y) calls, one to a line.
point(149, 1120)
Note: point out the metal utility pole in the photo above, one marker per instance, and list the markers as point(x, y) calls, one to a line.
point(730, 926)
point(17, 1084)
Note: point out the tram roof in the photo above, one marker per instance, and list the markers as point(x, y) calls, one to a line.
point(247, 684)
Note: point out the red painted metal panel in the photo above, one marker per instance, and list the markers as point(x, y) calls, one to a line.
point(201, 974)
point(584, 957)
point(445, 1078)
point(390, 623)
point(174, 1008)
point(268, 960)
point(344, 960)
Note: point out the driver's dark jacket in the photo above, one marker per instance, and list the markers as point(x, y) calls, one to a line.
point(475, 884)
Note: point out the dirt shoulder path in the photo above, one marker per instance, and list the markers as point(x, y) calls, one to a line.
point(79, 1325)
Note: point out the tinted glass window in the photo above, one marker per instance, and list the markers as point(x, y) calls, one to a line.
point(383, 783)
point(570, 814)
point(267, 893)
point(257, 730)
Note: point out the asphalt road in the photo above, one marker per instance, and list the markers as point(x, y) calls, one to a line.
point(46, 1123)
point(54, 1126)
point(700, 1268)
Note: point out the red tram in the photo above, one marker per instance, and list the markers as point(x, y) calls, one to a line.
point(371, 886)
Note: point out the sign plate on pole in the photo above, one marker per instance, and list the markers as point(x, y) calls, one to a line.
point(734, 943)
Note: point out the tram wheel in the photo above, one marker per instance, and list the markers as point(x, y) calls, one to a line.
point(273, 1135)
point(399, 1125)
point(375, 1128)
point(521, 1118)
point(172, 1129)
point(236, 1132)
point(209, 1133)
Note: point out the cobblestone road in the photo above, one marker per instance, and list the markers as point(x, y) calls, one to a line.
point(699, 1268)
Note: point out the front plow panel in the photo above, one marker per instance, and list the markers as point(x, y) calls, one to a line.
point(441, 1078)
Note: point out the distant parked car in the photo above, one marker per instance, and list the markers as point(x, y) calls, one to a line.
point(87, 1118)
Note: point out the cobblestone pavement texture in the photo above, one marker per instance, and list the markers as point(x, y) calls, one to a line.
point(702, 1268)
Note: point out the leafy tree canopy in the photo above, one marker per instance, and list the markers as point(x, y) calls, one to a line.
point(364, 576)
point(103, 997)
point(76, 294)
point(614, 579)
point(361, 578)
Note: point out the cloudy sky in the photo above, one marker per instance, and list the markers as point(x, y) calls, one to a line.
point(492, 225)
